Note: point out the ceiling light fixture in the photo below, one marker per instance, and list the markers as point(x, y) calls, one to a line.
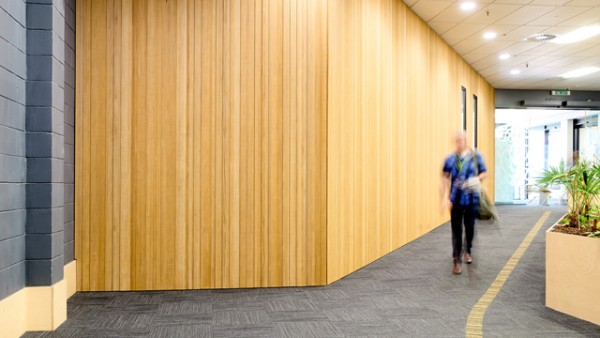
point(490, 35)
point(540, 37)
point(515, 72)
point(504, 56)
point(467, 6)
point(580, 72)
point(579, 34)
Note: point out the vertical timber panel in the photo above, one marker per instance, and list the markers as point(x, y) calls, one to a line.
point(388, 68)
point(201, 143)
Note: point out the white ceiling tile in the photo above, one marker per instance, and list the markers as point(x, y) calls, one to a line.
point(544, 48)
point(471, 58)
point(558, 30)
point(492, 13)
point(577, 48)
point(572, 61)
point(589, 62)
point(410, 3)
point(488, 72)
point(493, 61)
point(452, 13)
point(584, 3)
point(501, 30)
point(514, 21)
point(493, 47)
point(428, 9)
point(521, 33)
point(489, 65)
point(525, 48)
point(465, 46)
point(541, 61)
point(558, 15)
point(441, 27)
point(525, 14)
point(590, 52)
point(451, 42)
point(463, 31)
point(514, 2)
point(548, 2)
point(586, 18)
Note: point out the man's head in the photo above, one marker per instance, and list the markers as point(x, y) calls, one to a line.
point(460, 140)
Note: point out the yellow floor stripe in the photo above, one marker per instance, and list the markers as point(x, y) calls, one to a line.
point(475, 321)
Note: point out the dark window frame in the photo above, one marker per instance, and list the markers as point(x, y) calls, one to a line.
point(475, 122)
point(464, 107)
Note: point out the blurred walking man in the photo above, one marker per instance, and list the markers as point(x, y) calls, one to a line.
point(461, 183)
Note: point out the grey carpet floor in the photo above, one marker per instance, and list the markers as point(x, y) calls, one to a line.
point(408, 293)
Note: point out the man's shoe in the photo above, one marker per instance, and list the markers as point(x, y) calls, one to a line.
point(457, 270)
point(468, 258)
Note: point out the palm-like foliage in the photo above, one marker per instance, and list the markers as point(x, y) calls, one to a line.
point(582, 182)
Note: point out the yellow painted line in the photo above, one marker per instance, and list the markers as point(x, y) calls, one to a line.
point(475, 321)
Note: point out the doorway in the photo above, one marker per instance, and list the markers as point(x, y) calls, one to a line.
point(528, 141)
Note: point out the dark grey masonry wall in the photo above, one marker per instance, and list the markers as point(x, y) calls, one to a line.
point(45, 193)
point(69, 111)
point(13, 163)
point(37, 99)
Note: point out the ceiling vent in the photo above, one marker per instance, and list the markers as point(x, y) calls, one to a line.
point(541, 37)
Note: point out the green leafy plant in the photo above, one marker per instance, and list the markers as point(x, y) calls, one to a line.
point(582, 182)
point(593, 234)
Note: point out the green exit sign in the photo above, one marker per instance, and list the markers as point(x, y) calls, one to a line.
point(562, 92)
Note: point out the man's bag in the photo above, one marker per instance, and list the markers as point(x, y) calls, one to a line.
point(487, 210)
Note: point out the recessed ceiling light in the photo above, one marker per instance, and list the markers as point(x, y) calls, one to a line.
point(467, 6)
point(579, 34)
point(490, 35)
point(515, 72)
point(504, 56)
point(580, 72)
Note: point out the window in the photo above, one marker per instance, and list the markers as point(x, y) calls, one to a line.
point(463, 109)
point(475, 121)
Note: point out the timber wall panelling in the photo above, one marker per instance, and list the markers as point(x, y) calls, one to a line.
point(394, 105)
point(201, 143)
point(252, 143)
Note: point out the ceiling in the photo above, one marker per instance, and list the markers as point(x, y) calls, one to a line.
point(540, 63)
point(539, 117)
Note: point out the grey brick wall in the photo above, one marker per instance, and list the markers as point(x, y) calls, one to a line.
point(69, 131)
point(45, 141)
point(37, 143)
point(13, 162)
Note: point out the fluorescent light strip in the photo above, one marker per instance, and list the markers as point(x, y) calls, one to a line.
point(579, 34)
point(580, 72)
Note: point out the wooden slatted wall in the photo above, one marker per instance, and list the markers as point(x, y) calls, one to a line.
point(249, 143)
point(201, 143)
point(394, 105)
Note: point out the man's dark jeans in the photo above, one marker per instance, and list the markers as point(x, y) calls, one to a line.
point(458, 214)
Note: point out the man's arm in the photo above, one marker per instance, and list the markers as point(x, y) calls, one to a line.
point(481, 167)
point(444, 193)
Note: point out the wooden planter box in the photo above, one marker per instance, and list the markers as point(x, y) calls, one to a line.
point(572, 275)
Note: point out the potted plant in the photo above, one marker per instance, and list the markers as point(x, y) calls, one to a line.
point(573, 243)
point(543, 193)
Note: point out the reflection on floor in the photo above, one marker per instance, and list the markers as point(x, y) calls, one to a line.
point(408, 293)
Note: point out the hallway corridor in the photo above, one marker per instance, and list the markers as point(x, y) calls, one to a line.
point(408, 293)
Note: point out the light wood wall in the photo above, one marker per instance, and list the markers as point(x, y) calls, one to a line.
point(201, 143)
point(394, 105)
point(251, 143)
